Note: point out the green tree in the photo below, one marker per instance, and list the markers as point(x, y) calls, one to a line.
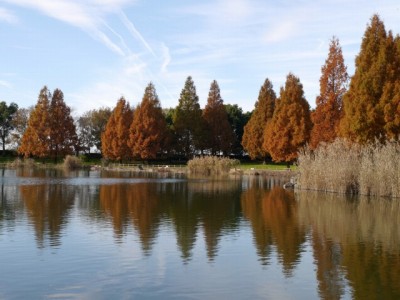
point(115, 137)
point(290, 126)
point(34, 142)
point(188, 122)
point(19, 124)
point(148, 129)
point(220, 138)
point(62, 132)
point(253, 136)
point(333, 85)
point(363, 119)
point(238, 120)
point(7, 113)
point(91, 126)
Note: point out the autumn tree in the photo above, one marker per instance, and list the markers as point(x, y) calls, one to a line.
point(7, 113)
point(290, 126)
point(116, 134)
point(364, 119)
point(62, 131)
point(34, 142)
point(148, 129)
point(391, 109)
point(188, 122)
point(237, 119)
point(390, 99)
point(220, 133)
point(253, 136)
point(333, 85)
point(91, 125)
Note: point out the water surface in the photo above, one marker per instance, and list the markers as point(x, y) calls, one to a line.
point(98, 235)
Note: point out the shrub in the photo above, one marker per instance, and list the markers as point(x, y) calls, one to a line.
point(18, 163)
point(72, 162)
point(344, 167)
point(208, 165)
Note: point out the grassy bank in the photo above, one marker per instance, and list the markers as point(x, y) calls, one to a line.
point(342, 167)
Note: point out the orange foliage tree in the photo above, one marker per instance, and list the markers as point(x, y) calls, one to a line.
point(253, 136)
point(216, 118)
point(51, 130)
point(148, 128)
point(333, 84)
point(62, 131)
point(290, 126)
point(376, 66)
point(34, 142)
point(115, 137)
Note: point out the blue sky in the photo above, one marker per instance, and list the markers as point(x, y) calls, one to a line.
point(96, 51)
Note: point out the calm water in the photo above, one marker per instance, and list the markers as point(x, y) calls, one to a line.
point(92, 235)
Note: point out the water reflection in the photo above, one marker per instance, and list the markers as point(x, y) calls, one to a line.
point(354, 244)
point(199, 204)
point(354, 241)
point(48, 207)
point(273, 215)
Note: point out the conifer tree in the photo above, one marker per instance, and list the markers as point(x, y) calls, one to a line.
point(216, 119)
point(62, 132)
point(116, 134)
point(333, 84)
point(148, 128)
point(290, 126)
point(363, 119)
point(253, 136)
point(390, 100)
point(188, 122)
point(34, 142)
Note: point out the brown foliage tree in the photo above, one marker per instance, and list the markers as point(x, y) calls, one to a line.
point(290, 126)
point(220, 133)
point(35, 139)
point(148, 128)
point(253, 136)
point(333, 83)
point(62, 132)
point(363, 119)
point(116, 134)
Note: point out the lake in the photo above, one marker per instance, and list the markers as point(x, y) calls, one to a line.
point(104, 235)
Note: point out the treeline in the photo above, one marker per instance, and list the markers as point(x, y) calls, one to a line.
point(362, 109)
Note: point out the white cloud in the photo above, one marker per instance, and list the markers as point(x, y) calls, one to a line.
point(7, 16)
point(166, 58)
point(86, 15)
point(5, 84)
point(135, 33)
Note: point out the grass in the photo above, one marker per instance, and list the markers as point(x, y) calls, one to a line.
point(348, 168)
point(267, 166)
point(208, 165)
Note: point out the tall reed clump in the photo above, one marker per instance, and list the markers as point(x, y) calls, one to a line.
point(208, 165)
point(20, 163)
point(72, 162)
point(349, 168)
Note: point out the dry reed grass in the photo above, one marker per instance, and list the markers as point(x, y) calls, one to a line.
point(72, 163)
point(209, 165)
point(349, 168)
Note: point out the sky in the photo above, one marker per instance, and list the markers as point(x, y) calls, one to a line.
point(97, 51)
